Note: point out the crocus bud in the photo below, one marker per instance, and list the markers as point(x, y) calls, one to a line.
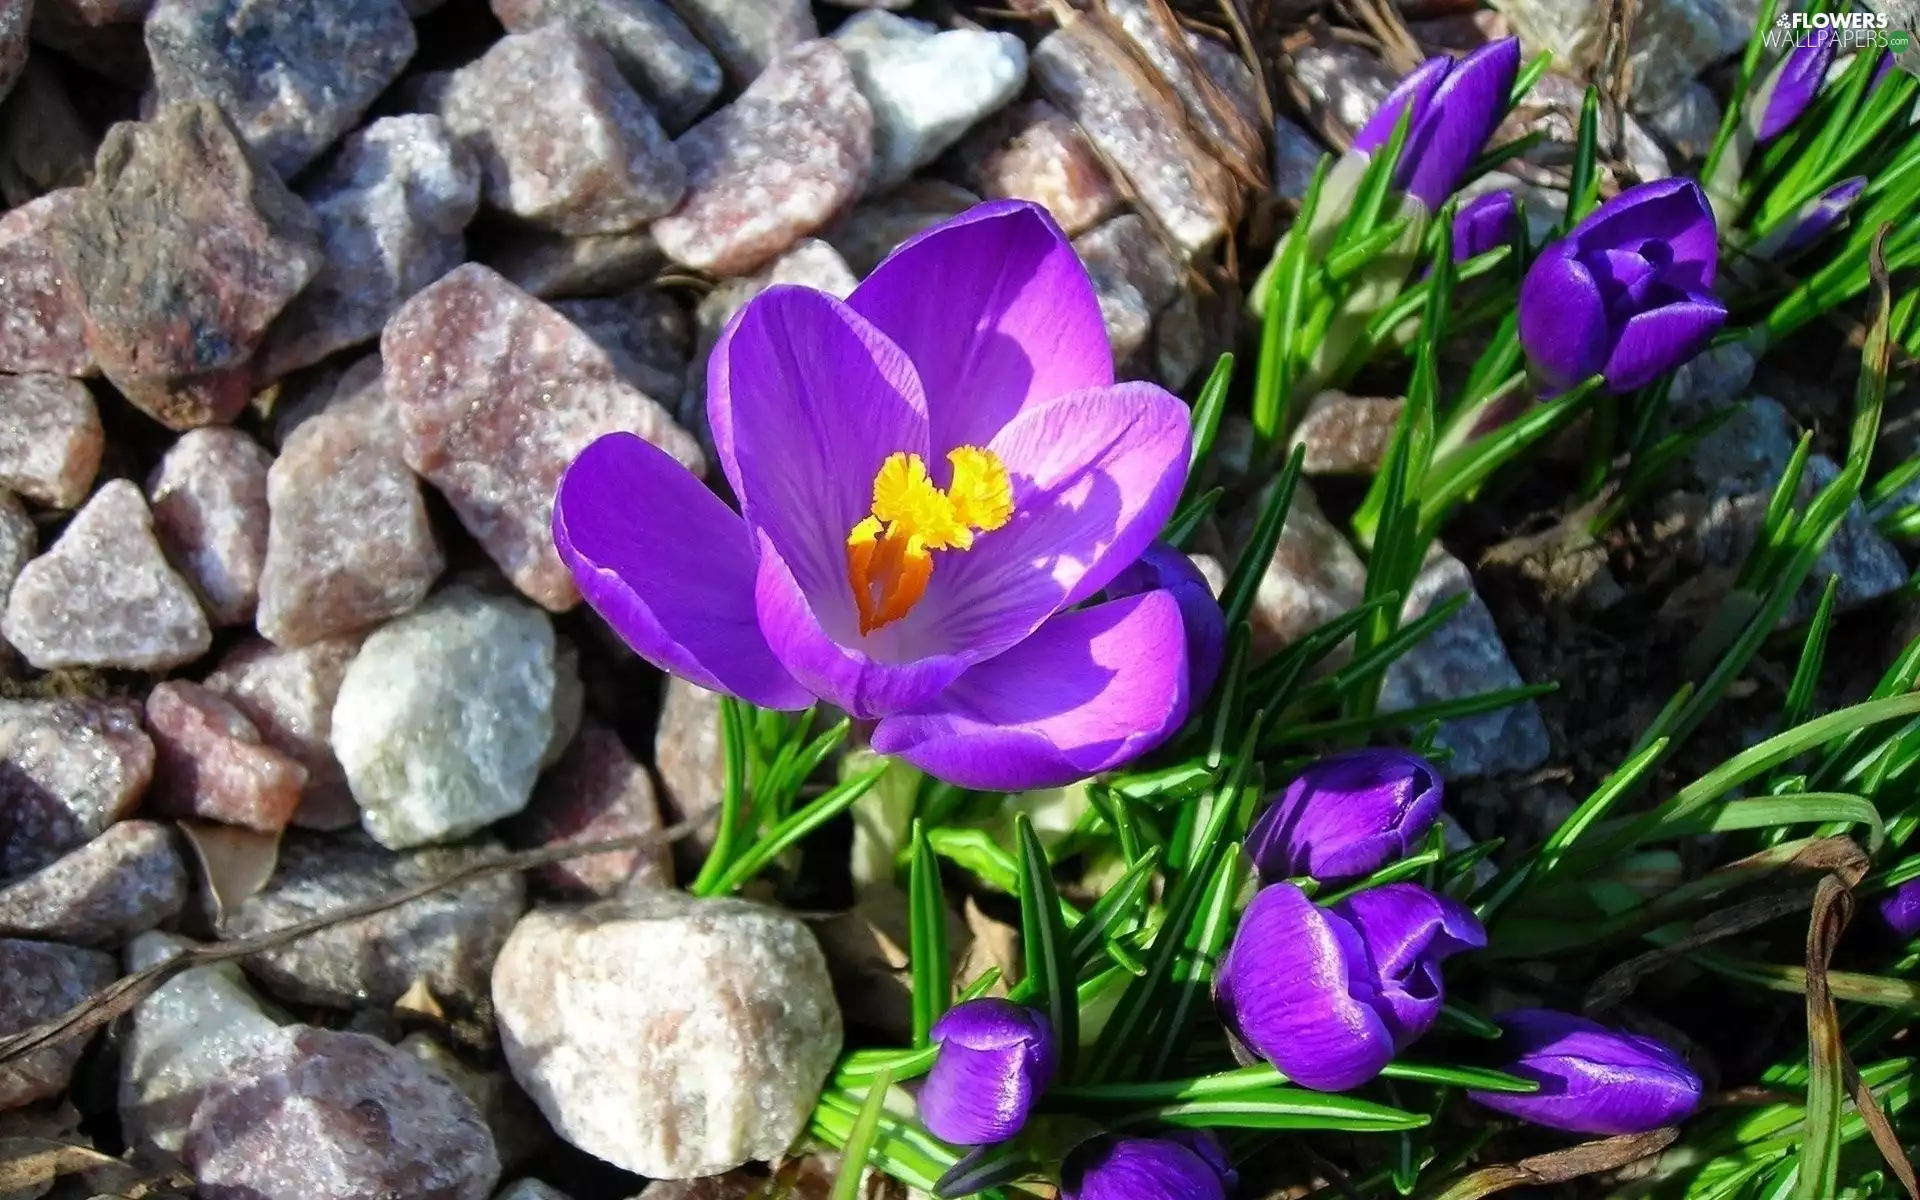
point(1162, 566)
point(996, 1057)
point(1485, 223)
point(1328, 995)
point(1816, 219)
point(1347, 816)
point(1592, 1079)
point(1791, 86)
point(1140, 1168)
point(1456, 107)
point(1627, 294)
point(1901, 909)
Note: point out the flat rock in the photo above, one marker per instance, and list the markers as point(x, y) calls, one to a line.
point(1673, 40)
point(392, 206)
point(497, 393)
point(643, 332)
point(184, 248)
point(68, 770)
point(1464, 657)
point(651, 45)
point(614, 171)
point(126, 881)
point(926, 87)
point(213, 764)
point(43, 326)
point(875, 229)
point(1134, 276)
point(1081, 69)
point(293, 78)
point(448, 939)
point(748, 36)
point(18, 539)
point(669, 1035)
point(38, 981)
point(778, 163)
point(1347, 435)
point(288, 695)
point(105, 596)
point(349, 542)
point(50, 438)
point(209, 498)
point(1033, 152)
point(595, 792)
point(310, 1114)
point(182, 1040)
point(444, 715)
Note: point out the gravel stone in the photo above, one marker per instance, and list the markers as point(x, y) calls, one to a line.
point(209, 498)
point(748, 36)
point(865, 236)
point(68, 770)
point(50, 438)
point(653, 48)
point(126, 881)
point(550, 266)
point(288, 695)
point(595, 792)
point(644, 333)
point(43, 326)
point(1672, 40)
point(1033, 152)
point(213, 763)
point(39, 980)
point(1347, 435)
point(18, 539)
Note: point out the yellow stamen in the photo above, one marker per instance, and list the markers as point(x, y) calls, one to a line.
point(889, 554)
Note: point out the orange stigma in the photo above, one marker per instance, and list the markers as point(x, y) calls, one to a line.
point(890, 553)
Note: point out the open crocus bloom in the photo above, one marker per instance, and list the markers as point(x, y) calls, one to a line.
point(935, 477)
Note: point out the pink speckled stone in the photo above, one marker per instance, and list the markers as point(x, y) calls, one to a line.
point(42, 326)
point(655, 50)
point(213, 763)
point(39, 981)
point(289, 695)
point(209, 497)
point(778, 163)
point(497, 394)
point(595, 792)
point(50, 438)
point(126, 881)
point(1033, 152)
point(749, 35)
point(68, 770)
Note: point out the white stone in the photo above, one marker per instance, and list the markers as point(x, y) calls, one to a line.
point(672, 1036)
point(1690, 123)
point(444, 715)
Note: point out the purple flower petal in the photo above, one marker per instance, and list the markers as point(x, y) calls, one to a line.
point(1673, 212)
point(1793, 84)
point(1660, 339)
point(1593, 1079)
point(1484, 223)
point(1206, 1144)
point(670, 567)
point(1409, 931)
point(1464, 112)
point(1346, 816)
point(996, 1058)
point(1135, 1168)
point(1294, 986)
point(1095, 477)
point(1162, 566)
point(997, 314)
point(1090, 690)
point(1563, 319)
point(807, 400)
point(1819, 216)
point(1901, 909)
point(1416, 89)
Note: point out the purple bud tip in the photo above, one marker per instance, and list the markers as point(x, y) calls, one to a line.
point(1455, 108)
point(1819, 216)
point(1347, 816)
point(1901, 909)
point(1139, 1168)
point(1485, 223)
point(996, 1058)
point(1794, 83)
point(1593, 1079)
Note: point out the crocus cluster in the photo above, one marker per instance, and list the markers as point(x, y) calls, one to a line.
point(938, 480)
point(1188, 1165)
point(1592, 1079)
point(1330, 994)
point(1628, 293)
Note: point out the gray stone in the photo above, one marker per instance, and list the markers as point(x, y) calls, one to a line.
point(865, 236)
point(292, 77)
point(612, 172)
point(50, 438)
point(518, 1131)
point(1689, 123)
point(182, 1040)
point(1672, 40)
point(68, 770)
point(653, 48)
point(1710, 378)
point(126, 881)
point(1215, 87)
point(669, 1035)
point(1347, 435)
point(1346, 80)
point(1641, 153)
point(18, 538)
point(772, 167)
point(104, 594)
point(595, 792)
point(43, 325)
point(531, 1189)
point(45, 145)
point(392, 206)
point(39, 981)
point(690, 755)
point(311, 1114)
point(1313, 577)
point(1296, 156)
point(209, 498)
point(1033, 152)
point(1747, 454)
point(749, 35)
point(1134, 276)
point(443, 717)
point(14, 15)
point(289, 696)
point(1543, 208)
point(644, 333)
point(448, 939)
point(551, 267)
point(1464, 657)
point(926, 87)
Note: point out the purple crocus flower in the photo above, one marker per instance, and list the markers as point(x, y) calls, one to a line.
point(1328, 995)
point(934, 477)
point(1140, 1168)
point(1792, 84)
point(1901, 909)
point(1592, 1079)
point(1816, 219)
point(1484, 223)
point(1627, 294)
point(1347, 816)
point(1456, 107)
point(996, 1057)
point(1163, 568)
